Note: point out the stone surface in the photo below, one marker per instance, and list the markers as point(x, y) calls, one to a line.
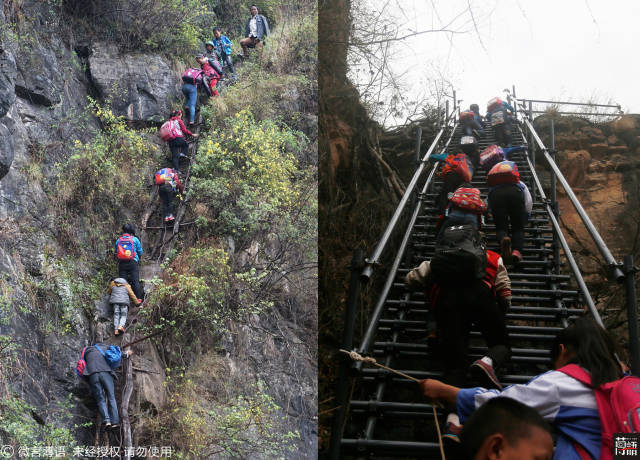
point(139, 87)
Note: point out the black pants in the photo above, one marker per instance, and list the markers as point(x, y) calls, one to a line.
point(507, 205)
point(166, 195)
point(177, 146)
point(129, 270)
point(457, 308)
point(450, 184)
point(503, 134)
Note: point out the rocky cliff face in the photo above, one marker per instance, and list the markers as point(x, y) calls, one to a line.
point(601, 162)
point(44, 91)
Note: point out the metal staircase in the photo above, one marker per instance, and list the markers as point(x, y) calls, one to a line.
point(386, 416)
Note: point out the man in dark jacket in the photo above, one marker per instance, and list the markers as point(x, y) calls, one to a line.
point(255, 30)
point(100, 378)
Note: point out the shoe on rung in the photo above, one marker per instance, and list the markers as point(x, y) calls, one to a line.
point(485, 374)
point(516, 256)
point(451, 434)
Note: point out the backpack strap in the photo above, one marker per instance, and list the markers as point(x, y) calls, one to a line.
point(578, 373)
point(82, 354)
point(582, 452)
point(100, 350)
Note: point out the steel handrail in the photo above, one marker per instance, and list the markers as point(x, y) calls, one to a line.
point(615, 271)
point(374, 259)
point(377, 310)
point(565, 246)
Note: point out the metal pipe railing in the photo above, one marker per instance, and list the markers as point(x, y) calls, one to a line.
point(377, 310)
point(374, 259)
point(582, 286)
point(617, 106)
point(615, 271)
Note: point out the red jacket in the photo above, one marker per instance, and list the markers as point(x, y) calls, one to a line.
point(209, 71)
point(182, 125)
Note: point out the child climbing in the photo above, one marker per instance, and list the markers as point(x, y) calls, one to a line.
point(128, 253)
point(120, 295)
point(192, 79)
point(212, 72)
point(169, 183)
point(457, 170)
point(222, 46)
point(466, 284)
point(511, 205)
point(580, 417)
point(499, 115)
point(173, 131)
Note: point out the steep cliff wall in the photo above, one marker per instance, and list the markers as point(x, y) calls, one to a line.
point(58, 226)
point(601, 162)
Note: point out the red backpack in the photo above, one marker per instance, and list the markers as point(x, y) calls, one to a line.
point(618, 407)
point(494, 103)
point(467, 115)
point(460, 164)
point(468, 199)
point(193, 76)
point(505, 172)
point(81, 365)
point(170, 130)
point(126, 249)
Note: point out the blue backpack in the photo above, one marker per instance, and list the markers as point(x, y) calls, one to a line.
point(113, 356)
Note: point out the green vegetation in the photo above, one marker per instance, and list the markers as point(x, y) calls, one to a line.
point(208, 415)
point(252, 195)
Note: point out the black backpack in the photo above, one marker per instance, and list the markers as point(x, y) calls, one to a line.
point(461, 256)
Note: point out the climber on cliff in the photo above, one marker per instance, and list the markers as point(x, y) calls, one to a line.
point(128, 253)
point(470, 122)
point(511, 204)
point(169, 183)
point(499, 116)
point(212, 72)
point(120, 295)
point(193, 79)
point(101, 376)
point(457, 169)
point(173, 131)
point(466, 284)
point(255, 30)
point(222, 46)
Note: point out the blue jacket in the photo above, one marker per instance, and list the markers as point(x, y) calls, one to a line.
point(561, 400)
point(262, 27)
point(222, 46)
point(137, 246)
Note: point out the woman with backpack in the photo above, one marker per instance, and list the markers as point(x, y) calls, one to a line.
point(173, 131)
point(192, 79)
point(565, 401)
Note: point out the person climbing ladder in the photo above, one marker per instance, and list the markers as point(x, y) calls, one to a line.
point(169, 182)
point(173, 131)
point(120, 293)
point(192, 79)
point(128, 253)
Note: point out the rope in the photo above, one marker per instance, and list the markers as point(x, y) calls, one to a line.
point(357, 357)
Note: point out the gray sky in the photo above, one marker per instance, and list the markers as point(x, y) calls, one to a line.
point(572, 50)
